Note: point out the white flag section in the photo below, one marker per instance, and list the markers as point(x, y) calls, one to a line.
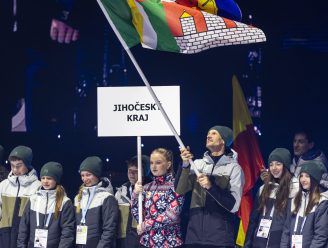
point(131, 111)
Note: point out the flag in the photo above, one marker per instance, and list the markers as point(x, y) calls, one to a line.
point(249, 155)
point(168, 26)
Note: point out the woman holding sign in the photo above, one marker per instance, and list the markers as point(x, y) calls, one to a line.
point(96, 208)
point(161, 206)
point(270, 209)
point(48, 219)
point(307, 224)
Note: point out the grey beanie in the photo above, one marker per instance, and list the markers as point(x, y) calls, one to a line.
point(281, 155)
point(24, 153)
point(52, 169)
point(92, 164)
point(314, 168)
point(225, 133)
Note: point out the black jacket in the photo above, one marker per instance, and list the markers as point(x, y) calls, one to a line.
point(60, 231)
point(101, 217)
point(278, 220)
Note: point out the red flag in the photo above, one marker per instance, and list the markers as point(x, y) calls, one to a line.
point(249, 155)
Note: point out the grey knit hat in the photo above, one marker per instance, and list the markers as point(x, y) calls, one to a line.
point(314, 168)
point(225, 133)
point(24, 153)
point(52, 169)
point(92, 164)
point(281, 155)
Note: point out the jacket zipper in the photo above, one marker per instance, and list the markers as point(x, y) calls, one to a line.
point(306, 195)
point(46, 209)
point(305, 205)
point(17, 181)
point(15, 221)
point(85, 215)
point(304, 210)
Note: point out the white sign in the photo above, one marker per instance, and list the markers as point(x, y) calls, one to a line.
point(131, 111)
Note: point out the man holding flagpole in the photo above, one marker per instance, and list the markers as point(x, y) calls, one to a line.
point(216, 192)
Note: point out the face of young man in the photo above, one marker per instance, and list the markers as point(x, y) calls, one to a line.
point(214, 140)
point(18, 167)
point(301, 144)
point(133, 174)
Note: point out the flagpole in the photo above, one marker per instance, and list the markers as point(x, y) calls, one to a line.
point(140, 172)
point(144, 79)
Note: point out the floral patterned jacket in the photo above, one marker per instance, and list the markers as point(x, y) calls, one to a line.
point(161, 211)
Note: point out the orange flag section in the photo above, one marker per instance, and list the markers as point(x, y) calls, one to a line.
point(249, 155)
point(175, 11)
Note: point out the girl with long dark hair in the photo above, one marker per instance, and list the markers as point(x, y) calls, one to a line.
point(307, 222)
point(270, 209)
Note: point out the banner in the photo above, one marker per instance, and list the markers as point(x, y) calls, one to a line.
point(131, 111)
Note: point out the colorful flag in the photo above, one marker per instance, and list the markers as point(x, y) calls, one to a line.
point(249, 155)
point(168, 26)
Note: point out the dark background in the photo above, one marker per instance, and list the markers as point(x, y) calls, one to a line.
point(292, 73)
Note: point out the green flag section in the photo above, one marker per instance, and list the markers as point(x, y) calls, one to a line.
point(167, 26)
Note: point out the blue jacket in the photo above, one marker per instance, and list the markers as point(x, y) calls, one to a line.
point(315, 230)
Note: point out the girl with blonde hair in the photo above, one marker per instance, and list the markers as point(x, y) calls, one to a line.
point(161, 204)
point(96, 209)
point(48, 219)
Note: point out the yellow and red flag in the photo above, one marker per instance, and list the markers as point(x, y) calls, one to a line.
point(249, 155)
